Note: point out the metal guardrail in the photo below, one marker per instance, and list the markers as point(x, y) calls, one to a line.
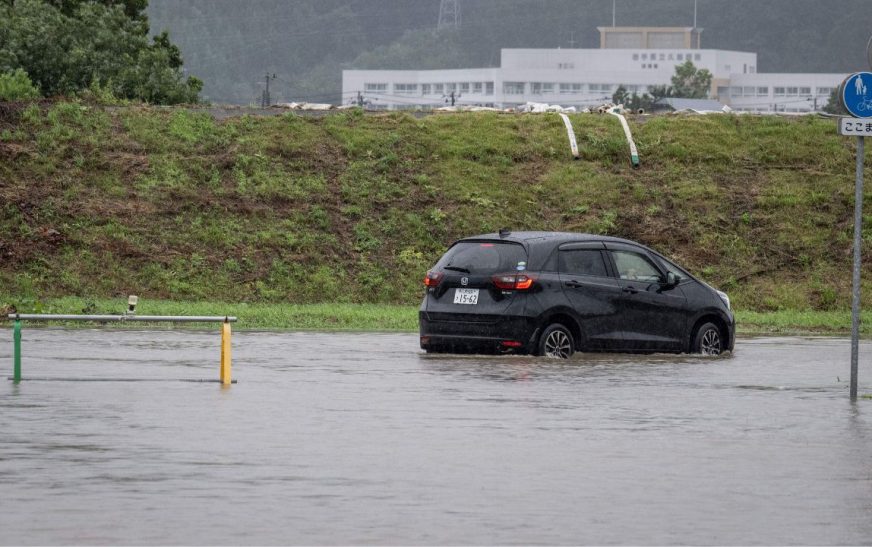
point(224, 376)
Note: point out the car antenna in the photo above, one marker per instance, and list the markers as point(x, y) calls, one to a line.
point(504, 232)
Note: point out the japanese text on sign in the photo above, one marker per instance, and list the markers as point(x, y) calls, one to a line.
point(855, 127)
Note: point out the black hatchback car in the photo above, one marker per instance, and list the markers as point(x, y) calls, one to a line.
point(550, 293)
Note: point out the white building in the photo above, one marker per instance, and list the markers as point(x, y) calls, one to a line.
point(635, 57)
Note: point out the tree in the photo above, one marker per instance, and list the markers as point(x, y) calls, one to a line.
point(834, 104)
point(632, 101)
point(690, 82)
point(68, 46)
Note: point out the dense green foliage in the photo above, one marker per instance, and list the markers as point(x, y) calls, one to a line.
point(354, 208)
point(68, 46)
point(307, 43)
point(16, 86)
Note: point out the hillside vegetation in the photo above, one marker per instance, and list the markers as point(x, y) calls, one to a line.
point(354, 207)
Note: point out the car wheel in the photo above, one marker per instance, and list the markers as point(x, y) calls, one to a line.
point(556, 342)
point(708, 340)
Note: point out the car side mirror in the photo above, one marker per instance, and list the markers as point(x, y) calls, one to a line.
point(671, 280)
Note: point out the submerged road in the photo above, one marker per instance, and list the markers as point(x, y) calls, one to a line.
point(363, 439)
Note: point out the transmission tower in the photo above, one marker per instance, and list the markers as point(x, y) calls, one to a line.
point(449, 14)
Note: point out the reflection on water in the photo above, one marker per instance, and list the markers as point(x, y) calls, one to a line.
point(361, 438)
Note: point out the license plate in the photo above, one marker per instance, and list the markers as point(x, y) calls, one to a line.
point(466, 296)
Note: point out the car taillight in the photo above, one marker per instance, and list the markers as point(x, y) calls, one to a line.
point(432, 279)
point(513, 282)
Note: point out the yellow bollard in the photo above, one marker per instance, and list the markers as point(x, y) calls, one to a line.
point(225, 353)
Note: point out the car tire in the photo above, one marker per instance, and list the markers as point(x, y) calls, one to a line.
point(708, 340)
point(556, 341)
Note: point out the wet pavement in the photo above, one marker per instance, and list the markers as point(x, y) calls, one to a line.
point(363, 439)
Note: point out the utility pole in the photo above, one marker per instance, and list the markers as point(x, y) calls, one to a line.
point(265, 101)
point(449, 14)
point(359, 99)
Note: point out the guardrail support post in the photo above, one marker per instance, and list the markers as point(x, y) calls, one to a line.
point(16, 352)
point(225, 353)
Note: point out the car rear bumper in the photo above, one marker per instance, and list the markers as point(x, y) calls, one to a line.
point(504, 334)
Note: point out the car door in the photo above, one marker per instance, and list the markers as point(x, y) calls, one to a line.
point(592, 292)
point(653, 316)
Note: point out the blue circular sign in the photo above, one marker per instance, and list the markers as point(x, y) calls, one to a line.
point(857, 94)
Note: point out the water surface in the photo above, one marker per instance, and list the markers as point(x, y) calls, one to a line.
point(363, 439)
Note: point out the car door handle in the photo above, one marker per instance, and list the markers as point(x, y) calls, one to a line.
point(631, 290)
point(573, 284)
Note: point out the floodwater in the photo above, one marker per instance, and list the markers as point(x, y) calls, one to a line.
point(363, 439)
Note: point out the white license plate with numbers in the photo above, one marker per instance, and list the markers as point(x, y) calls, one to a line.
point(466, 296)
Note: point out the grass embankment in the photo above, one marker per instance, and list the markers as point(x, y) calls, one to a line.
point(392, 317)
point(352, 208)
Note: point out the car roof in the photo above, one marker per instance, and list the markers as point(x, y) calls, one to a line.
point(552, 237)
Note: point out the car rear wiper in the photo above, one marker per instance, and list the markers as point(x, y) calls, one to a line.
point(456, 269)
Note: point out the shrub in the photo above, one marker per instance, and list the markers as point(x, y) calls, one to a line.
point(16, 86)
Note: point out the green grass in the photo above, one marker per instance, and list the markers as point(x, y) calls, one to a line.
point(251, 316)
point(385, 317)
point(352, 208)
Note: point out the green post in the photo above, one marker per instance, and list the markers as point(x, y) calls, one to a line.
point(16, 352)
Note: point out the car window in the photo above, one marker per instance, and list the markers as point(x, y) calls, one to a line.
point(484, 258)
point(670, 267)
point(635, 267)
point(583, 262)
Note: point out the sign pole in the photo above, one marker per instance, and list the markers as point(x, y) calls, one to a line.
point(858, 240)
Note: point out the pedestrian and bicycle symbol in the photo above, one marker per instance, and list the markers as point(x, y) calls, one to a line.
point(857, 94)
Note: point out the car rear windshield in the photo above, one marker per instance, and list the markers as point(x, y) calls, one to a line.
point(484, 258)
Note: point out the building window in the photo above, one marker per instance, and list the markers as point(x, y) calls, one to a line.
point(464, 87)
point(680, 56)
point(635, 56)
point(723, 91)
point(780, 92)
point(749, 91)
point(565, 65)
point(662, 56)
point(735, 92)
point(547, 88)
point(476, 87)
point(600, 88)
point(792, 91)
point(805, 92)
point(671, 57)
point(536, 88)
point(425, 89)
point(450, 88)
point(644, 56)
point(405, 89)
point(375, 88)
point(565, 88)
point(697, 57)
point(655, 65)
point(763, 91)
point(513, 88)
point(824, 90)
point(489, 88)
point(439, 88)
